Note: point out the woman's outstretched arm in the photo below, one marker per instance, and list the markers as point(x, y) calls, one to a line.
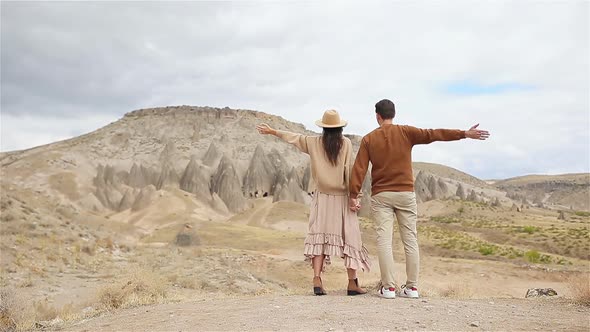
point(299, 140)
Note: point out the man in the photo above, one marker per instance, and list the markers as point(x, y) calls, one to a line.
point(389, 149)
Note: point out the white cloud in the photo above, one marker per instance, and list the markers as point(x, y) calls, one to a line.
point(296, 59)
point(20, 132)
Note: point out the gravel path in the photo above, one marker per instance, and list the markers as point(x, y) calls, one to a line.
point(341, 313)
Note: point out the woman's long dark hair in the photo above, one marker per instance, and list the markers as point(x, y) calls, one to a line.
point(332, 141)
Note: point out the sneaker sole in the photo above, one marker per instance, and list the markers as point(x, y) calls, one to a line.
point(387, 298)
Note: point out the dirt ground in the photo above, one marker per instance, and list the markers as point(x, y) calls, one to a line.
point(337, 312)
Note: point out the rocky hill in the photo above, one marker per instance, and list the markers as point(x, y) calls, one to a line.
point(212, 153)
point(217, 156)
point(566, 191)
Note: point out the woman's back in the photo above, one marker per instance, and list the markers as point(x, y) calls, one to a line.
point(328, 178)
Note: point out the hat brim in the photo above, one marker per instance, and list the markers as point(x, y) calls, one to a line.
point(342, 123)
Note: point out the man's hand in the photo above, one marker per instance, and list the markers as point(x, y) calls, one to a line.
point(475, 133)
point(354, 204)
point(265, 129)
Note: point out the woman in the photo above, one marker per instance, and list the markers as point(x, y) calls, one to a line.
point(333, 227)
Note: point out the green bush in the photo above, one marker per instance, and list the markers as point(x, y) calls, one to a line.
point(532, 256)
point(582, 213)
point(546, 259)
point(486, 249)
point(529, 229)
point(445, 220)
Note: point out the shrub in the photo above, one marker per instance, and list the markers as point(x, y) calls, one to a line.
point(546, 259)
point(486, 249)
point(457, 291)
point(529, 229)
point(7, 310)
point(563, 261)
point(445, 220)
point(14, 314)
point(582, 213)
point(532, 256)
point(106, 243)
point(89, 249)
point(186, 238)
point(579, 286)
point(139, 288)
point(189, 283)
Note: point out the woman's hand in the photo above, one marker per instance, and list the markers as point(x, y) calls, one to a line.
point(354, 204)
point(265, 129)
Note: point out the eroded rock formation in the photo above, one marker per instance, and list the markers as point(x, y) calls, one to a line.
point(226, 183)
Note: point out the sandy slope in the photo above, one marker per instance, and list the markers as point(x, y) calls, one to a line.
point(338, 312)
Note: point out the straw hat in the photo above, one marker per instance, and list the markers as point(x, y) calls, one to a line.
point(331, 119)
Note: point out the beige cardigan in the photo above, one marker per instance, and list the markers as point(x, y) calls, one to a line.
point(328, 179)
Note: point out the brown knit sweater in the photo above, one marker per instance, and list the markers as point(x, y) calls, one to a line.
point(389, 149)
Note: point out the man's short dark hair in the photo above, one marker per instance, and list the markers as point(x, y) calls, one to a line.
point(386, 109)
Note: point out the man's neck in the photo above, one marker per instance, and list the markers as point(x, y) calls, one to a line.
point(386, 122)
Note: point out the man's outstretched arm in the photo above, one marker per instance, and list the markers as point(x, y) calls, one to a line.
point(426, 136)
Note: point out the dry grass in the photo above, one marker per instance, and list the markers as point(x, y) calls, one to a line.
point(579, 286)
point(15, 313)
point(457, 291)
point(20, 314)
point(28, 282)
point(284, 210)
point(245, 237)
point(500, 235)
point(45, 313)
point(139, 288)
point(189, 283)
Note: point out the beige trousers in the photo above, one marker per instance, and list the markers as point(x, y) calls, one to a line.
point(402, 205)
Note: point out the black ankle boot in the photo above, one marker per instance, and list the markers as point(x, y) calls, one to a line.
point(319, 290)
point(357, 291)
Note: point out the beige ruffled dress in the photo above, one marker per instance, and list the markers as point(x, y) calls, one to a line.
point(333, 229)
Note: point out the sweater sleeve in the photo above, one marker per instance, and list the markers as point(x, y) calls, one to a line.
point(298, 140)
point(427, 136)
point(359, 170)
point(348, 163)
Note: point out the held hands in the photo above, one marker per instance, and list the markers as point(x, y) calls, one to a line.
point(354, 204)
point(475, 133)
point(265, 129)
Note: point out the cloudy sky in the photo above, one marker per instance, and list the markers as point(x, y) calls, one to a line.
point(521, 70)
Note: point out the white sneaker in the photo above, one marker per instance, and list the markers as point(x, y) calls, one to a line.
point(410, 292)
point(387, 293)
